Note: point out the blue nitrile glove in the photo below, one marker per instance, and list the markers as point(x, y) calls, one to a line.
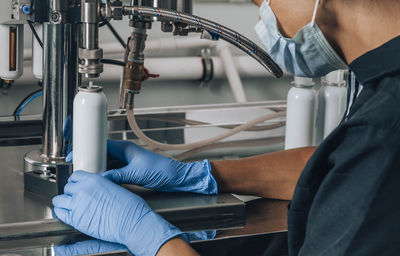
point(151, 170)
point(88, 247)
point(201, 235)
point(100, 208)
point(67, 136)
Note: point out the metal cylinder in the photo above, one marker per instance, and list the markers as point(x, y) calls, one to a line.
point(301, 114)
point(58, 85)
point(90, 54)
point(90, 130)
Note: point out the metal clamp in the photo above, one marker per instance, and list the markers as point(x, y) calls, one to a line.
point(208, 66)
point(93, 54)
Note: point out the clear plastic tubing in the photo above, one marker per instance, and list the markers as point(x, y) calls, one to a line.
point(190, 146)
point(220, 31)
point(90, 130)
point(301, 114)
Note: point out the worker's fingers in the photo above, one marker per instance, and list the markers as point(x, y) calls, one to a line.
point(117, 176)
point(71, 188)
point(63, 214)
point(63, 201)
point(79, 176)
point(118, 150)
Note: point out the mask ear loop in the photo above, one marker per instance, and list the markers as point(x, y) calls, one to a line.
point(314, 14)
point(268, 2)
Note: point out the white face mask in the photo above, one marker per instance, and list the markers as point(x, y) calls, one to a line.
point(307, 54)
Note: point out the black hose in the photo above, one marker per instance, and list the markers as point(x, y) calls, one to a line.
point(35, 34)
point(102, 23)
point(23, 102)
point(115, 33)
point(113, 62)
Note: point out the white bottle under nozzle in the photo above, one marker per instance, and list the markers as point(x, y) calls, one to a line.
point(90, 130)
point(301, 113)
point(332, 100)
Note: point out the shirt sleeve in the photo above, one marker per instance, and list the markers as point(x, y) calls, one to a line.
point(356, 210)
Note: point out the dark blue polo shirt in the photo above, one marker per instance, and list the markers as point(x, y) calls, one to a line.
point(347, 200)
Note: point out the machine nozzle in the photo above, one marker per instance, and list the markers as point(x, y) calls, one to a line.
point(90, 54)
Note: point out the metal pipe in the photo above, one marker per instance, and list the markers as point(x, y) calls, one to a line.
point(57, 94)
point(90, 54)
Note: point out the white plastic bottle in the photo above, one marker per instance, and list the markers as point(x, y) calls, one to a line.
point(11, 51)
point(90, 130)
point(332, 100)
point(301, 113)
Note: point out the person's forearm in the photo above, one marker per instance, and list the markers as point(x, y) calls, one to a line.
point(272, 175)
point(176, 246)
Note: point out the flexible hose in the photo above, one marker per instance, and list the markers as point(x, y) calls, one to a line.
point(162, 146)
point(183, 121)
point(216, 29)
point(226, 144)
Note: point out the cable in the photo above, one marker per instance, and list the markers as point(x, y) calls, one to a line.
point(25, 102)
point(115, 33)
point(35, 34)
point(157, 145)
point(113, 62)
point(184, 121)
point(102, 23)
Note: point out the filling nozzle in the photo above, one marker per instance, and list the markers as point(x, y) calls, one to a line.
point(90, 54)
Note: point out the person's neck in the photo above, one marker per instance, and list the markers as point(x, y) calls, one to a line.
point(357, 31)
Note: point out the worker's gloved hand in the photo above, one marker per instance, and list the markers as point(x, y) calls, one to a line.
point(100, 208)
point(151, 170)
point(88, 247)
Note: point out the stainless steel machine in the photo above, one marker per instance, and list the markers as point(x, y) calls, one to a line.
point(69, 50)
point(65, 52)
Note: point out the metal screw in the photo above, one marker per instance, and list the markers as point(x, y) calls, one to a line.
point(55, 16)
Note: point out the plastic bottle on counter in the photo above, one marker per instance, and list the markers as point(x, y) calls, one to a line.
point(301, 113)
point(332, 100)
point(90, 130)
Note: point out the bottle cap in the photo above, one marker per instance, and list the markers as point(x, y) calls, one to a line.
point(91, 88)
point(301, 82)
point(335, 78)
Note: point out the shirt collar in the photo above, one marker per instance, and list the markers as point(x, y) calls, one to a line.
point(377, 63)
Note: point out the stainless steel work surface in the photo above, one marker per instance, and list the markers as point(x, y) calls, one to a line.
point(15, 205)
point(26, 220)
point(27, 215)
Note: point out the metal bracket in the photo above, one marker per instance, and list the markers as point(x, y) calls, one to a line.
point(208, 67)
